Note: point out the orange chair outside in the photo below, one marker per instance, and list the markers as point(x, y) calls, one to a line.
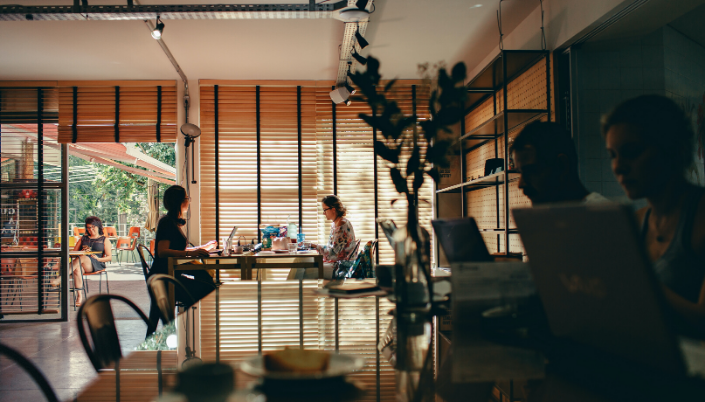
point(126, 244)
point(134, 231)
point(110, 231)
point(79, 231)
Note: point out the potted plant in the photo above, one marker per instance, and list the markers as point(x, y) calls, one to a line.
point(413, 287)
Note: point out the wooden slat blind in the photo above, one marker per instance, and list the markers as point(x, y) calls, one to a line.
point(129, 111)
point(407, 97)
point(283, 111)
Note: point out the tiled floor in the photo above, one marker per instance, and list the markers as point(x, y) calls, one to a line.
point(56, 347)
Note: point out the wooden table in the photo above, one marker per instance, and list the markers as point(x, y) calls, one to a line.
point(246, 263)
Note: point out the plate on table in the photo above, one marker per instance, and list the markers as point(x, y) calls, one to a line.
point(338, 366)
point(281, 251)
point(266, 253)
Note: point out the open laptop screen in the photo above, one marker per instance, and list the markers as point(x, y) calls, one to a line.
point(461, 240)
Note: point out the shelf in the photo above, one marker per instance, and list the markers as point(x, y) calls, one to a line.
point(491, 78)
point(495, 126)
point(482, 182)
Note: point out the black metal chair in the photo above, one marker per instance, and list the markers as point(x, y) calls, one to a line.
point(101, 323)
point(159, 293)
point(32, 370)
point(146, 270)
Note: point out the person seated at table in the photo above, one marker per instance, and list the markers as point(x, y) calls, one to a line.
point(544, 155)
point(171, 242)
point(341, 242)
point(92, 240)
point(650, 141)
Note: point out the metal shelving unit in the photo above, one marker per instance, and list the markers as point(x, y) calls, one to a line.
point(493, 79)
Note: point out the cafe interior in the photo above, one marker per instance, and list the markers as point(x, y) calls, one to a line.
point(373, 200)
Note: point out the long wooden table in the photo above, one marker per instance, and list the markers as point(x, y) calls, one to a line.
point(247, 263)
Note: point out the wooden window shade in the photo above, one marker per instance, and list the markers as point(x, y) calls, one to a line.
point(258, 129)
point(117, 111)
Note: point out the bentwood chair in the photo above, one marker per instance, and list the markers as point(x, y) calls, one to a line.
point(126, 245)
point(98, 314)
point(142, 251)
point(32, 370)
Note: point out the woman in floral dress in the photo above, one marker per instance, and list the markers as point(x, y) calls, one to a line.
point(341, 243)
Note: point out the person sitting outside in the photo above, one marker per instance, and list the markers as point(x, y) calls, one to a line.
point(93, 240)
point(650, 141)
point(544, 155)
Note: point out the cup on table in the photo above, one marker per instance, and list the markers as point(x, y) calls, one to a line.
point(307, 245)
point(292, 247)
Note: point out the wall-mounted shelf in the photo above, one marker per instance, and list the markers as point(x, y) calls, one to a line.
point(491, 78)
point(511, 90)
point(481, 182)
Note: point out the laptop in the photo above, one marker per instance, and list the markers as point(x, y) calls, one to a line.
point(598, 287)
point(461, 240)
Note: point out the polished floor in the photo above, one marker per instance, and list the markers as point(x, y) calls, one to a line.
point(56, 347)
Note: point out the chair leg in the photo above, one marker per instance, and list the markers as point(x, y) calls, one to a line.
point(100, 283)
point(107, 283)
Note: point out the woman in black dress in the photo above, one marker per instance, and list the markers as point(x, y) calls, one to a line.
point(93, 240)
point(171, 242)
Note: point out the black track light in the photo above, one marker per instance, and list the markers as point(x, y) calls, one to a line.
point(348, 102)
point(360, 40)
point(360, 59)
point(350, 89)
point(159, 30)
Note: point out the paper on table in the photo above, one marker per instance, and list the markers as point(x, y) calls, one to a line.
point(491, 281)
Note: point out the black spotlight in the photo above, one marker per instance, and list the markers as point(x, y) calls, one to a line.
point(360, 59)
point(350, 89)
point(360, 40)
point(348, 102)
point(159, 30)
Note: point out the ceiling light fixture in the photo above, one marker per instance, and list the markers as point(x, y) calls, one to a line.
point(360, 40)
point(159, 30)
point(355, 14)
point(360, 59)
point(350, 89)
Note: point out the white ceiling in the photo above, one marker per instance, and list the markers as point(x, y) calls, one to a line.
point(402, 34)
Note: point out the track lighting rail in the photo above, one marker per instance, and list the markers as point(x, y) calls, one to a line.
point(171, 12)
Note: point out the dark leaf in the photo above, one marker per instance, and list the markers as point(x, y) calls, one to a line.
point(399, 181)
point(414, 162)
point(437, 154)
point(426, 201)
point(459, 72)
point(394, 200)
point(434, 174)
point(391, 155)
point(389, 85)
point(418, 180)
point(449, 115)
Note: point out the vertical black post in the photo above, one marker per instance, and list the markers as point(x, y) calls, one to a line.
point(216, 119)
point(548, 84)
point(506, 153)
point(64, 234)
point(40, 201)
point(374, 152)
point(377, 357)
point(301, 188)
point(74, 128)
point(416, 137)
point(496, 151)
point(159, 115)
point(259, 171)
point(335, 150)
point(117, 114)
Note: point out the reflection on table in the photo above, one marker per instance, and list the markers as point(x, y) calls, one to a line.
point(242, 319)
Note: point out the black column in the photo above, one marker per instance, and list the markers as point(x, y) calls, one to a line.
point(301, 194)
point(259, 170)
point(217, 163)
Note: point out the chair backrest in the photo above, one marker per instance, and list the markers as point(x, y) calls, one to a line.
point(159, 292)
point(353, 253)
point(77, 231)
point(123, 241)
point(134, 232)
point(98, 313)
point(32, 370)
point(151, 246)
point(110, 231)
point(141, 250)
